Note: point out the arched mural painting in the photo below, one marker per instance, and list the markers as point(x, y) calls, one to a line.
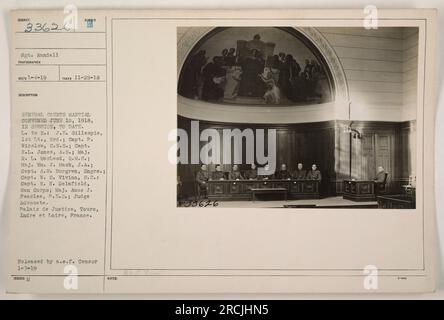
point(256, 66)
point(327, 108)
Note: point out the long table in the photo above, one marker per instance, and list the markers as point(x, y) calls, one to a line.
point(359, 190)
point(241, 189)
point(256, 191)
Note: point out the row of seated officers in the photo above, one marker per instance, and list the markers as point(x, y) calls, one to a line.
point(203, 175)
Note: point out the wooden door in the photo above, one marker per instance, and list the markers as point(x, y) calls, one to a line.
point(383, 151)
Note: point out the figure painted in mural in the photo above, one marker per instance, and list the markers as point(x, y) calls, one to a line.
point(256, 44)
point(308, 69)
point(288, 78)
point(191, 77)
point(233, 78)
point(251, 84)
point(230, 59)
point(272, 94)
point(214, 80)
point(313, 69)
point(223, 57)
point(281, 59)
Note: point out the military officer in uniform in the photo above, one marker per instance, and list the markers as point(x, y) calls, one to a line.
point(299, 173)
point(283, 174)
point(202, 176)
point(235, 173)
point(314, 173)
point(267, 173)
point(252, 173)
point(218, 174)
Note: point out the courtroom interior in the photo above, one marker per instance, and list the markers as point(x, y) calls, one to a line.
point(342, 101)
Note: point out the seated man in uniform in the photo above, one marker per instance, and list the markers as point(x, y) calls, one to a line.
point(299, 173)
point(218, 174)
point(202, 176)
point(267, 173)
point(252, 173)
point(235, 173)
point(314, 173)
point(283, 174)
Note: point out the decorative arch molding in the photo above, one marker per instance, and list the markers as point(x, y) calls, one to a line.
point(188, 37)
point(332, 59)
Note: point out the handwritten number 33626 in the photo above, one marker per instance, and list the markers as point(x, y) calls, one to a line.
point(44, 27)
point(201, 204)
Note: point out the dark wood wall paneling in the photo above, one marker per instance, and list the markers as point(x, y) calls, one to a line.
point(327, 145)
point(387, 144)
point(405, 151)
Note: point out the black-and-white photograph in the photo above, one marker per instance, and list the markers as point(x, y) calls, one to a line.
point(304, 143)
point(297, 117)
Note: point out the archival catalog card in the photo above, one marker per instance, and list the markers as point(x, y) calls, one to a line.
point(247, 151)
